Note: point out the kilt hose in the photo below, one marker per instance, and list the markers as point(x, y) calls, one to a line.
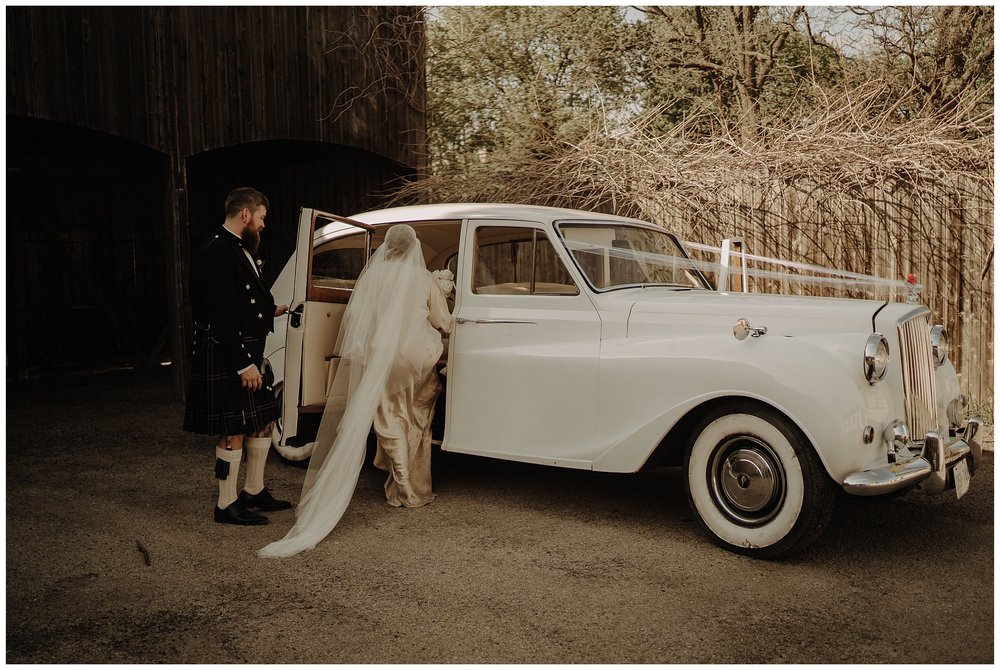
point(217, 403)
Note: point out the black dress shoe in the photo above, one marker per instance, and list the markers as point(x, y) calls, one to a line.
point(237, 514)
point(263, 501)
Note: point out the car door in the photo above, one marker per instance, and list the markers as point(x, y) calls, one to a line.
point(326, 267)
point(524, 352)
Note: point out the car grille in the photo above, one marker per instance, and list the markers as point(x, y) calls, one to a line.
point(919, 389)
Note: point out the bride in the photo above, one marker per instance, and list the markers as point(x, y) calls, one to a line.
point(389, 344)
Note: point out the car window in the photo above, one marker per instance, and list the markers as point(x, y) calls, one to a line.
point(518, 261)
point(616, 255)
point(338, 263)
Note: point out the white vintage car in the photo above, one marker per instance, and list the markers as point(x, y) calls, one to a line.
point(596, 342)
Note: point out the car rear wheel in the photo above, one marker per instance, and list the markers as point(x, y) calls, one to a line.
point(289, 454)
point(755, 483)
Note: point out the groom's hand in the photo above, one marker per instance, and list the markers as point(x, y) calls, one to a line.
point(251, 379)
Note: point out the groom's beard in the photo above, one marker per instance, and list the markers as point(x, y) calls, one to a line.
point(251, 241)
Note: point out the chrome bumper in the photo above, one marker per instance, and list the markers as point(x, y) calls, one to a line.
point(930, 470)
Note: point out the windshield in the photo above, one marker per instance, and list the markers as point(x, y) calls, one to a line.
point(618, 255)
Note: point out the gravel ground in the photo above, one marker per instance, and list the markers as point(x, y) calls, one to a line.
point(112, 557)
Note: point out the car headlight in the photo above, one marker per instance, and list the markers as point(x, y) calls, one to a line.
point(956, 411)
point(876, 357)
point(939, 344)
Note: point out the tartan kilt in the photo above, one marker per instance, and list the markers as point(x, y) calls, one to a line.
point(217, 403)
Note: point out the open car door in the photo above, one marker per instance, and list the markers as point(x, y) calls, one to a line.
point(330, 252)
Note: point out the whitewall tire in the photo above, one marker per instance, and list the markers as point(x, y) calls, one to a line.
point(754, 482)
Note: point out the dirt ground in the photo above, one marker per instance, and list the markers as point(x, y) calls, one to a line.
point(112, 557)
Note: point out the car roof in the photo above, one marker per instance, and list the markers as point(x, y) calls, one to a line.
point(445, 211)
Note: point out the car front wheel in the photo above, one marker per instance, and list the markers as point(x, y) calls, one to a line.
point(755, 483)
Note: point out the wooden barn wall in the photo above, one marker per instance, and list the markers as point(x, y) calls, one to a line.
point(183, 80)
point(301, 102)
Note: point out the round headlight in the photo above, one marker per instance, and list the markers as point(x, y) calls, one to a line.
point(956, 411)
point(939, 344)
point(876, 357)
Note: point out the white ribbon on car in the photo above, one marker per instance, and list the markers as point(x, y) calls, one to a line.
point(830, 277)
point(839, 276)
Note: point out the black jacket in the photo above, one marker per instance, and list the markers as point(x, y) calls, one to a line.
point(227, 295)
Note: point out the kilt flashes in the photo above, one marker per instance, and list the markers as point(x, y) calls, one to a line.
point(217, 403)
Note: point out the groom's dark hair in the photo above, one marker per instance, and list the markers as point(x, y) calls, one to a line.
point(244, 196)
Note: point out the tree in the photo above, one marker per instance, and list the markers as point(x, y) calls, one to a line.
point(940, 57)
point(733, 51)
point(512, 79)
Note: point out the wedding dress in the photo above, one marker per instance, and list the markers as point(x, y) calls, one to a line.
point(388, 346)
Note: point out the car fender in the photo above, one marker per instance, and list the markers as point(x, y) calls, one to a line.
point(816, 381)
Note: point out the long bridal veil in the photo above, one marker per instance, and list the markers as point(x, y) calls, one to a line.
point(383, 344)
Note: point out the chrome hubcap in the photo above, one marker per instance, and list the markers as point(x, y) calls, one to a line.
point(746, 480)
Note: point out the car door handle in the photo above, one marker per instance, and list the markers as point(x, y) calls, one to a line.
point(461, 320)
point(295, 320)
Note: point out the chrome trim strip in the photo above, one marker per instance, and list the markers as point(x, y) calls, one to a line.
point(461, 320)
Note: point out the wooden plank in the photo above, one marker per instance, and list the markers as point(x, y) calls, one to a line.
point(92, 66)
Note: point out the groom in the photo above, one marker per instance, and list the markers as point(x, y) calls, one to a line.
point(227, 395)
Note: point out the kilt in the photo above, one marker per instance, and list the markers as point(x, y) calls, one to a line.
point(217, 403)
